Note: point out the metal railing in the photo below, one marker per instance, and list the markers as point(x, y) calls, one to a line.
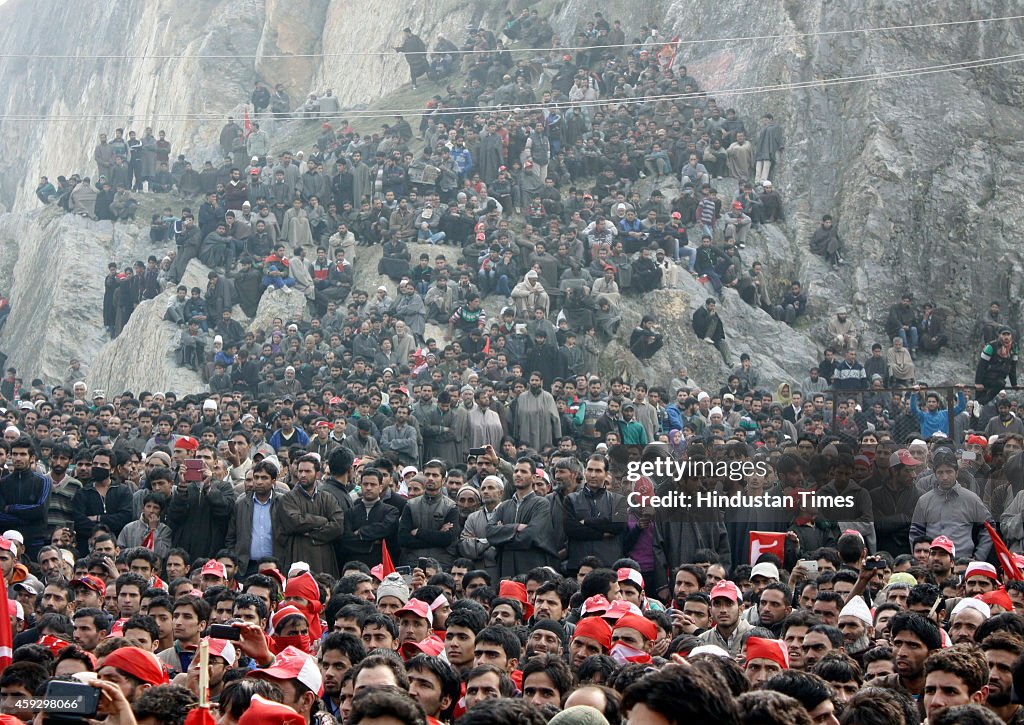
point(949, 392)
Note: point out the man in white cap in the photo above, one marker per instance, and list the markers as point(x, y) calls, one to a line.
point(968, 615)
point(761, 575)
point(856, 625)
point(841, 331)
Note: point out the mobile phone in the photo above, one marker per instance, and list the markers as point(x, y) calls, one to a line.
point(71, 699)
point(809, 565)
point(874, 562)
point(477, 451)
point(193, 470)
point(225, 631)
point(422, 563)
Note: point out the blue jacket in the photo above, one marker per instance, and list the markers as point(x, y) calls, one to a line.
point(937, 422)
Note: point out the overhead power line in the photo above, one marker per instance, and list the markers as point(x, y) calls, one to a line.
point(515, 49)
point(418, 112)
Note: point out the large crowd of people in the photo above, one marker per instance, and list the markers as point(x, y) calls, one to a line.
point(366, 524)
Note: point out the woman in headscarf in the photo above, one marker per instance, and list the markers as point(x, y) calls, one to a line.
point(784, 395)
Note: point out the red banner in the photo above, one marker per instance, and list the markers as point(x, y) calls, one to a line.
point(767, 542)
point(6, 636)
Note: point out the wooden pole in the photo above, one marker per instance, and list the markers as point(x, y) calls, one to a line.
point(204, 673)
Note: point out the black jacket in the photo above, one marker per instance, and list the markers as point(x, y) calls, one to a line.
point(364, 531)
point(114, 511)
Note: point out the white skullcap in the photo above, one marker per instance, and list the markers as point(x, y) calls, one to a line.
point(857, 608)
point(972, 603)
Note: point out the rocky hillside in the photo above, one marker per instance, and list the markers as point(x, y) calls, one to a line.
point(922, 171)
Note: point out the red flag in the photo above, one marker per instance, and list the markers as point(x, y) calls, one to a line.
point(247, 122)
point(200, 716)
point(6, 636)
point(766, 542)
point(385, 558)
point(150, 541)
point(1006, 559)
point(487, 346)
point(667, 53)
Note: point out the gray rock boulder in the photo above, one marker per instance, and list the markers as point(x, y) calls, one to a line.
point(142, 357)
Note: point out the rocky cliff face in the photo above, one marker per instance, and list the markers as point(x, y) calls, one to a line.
point(922, 171)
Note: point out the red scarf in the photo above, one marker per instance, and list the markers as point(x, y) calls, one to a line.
point(305, 587)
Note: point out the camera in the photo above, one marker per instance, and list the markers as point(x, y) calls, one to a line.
point(225, 631)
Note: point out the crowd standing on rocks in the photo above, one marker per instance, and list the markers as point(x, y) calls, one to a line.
point(369, 524)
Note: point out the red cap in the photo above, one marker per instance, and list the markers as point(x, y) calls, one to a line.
point(980, 568)
point(215, 568)
point(618, 609)
point(902, 457)
point(737, 205)
point(676, 215)
point(187, 443)
point(254, 172)
point(378, 572)
point(726, 589)
point(647, 629)
point(224, 649)
point(294, 664)
point(625, 574)
point(324, 424)
point(91, 582)
point(275, 573)
point(432, 646)
point(596, 629)
point(138, 663)
point(419, 608)
point(759, 648)
point(262, 711)
point(595, 604)
point(517, 591)
point(7, 545)
point(54, 644)
point(945, 543)
point(973, 440)
point(288, 610)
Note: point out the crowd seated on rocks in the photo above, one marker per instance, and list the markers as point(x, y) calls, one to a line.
point(409, 529)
